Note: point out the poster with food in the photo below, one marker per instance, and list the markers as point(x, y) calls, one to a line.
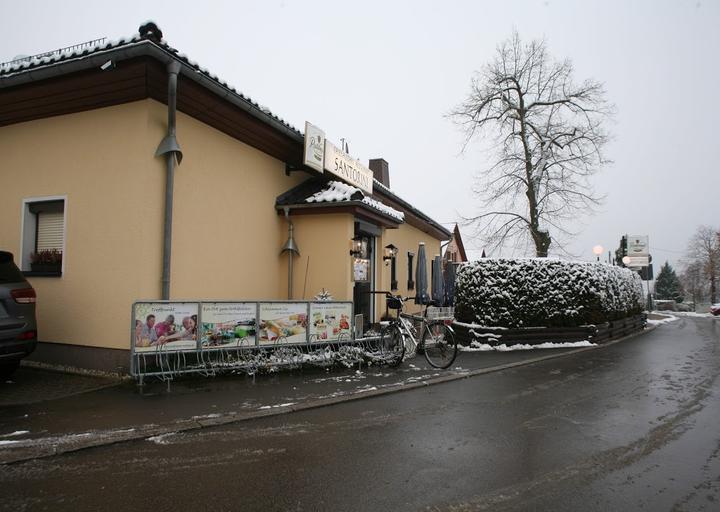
point(282, 322)
point(330, 321)
point(228, 324)
point(166, 326)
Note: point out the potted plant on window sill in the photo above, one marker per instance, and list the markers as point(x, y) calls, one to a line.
point(47, 260)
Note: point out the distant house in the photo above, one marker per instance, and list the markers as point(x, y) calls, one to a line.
point(455, 249)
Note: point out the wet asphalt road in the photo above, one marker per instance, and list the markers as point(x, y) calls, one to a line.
point(633, 426)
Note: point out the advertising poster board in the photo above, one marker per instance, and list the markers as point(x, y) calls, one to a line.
point(330, 321)
point(166, 326)
point(282, 322)
point(228, 324)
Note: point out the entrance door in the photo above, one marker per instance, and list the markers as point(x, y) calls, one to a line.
point(364, 277)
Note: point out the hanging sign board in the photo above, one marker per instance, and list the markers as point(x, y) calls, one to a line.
point(346, 168)
point(314, 147)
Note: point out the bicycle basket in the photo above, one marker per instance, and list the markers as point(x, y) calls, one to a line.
point(394, 303)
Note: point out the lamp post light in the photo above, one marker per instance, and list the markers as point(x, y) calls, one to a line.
point(597, 251)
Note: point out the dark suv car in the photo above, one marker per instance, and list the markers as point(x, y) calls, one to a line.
point(18, 330)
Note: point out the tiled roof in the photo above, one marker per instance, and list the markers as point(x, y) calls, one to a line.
point(319, 190)
point(78, 52)
point(378, 186)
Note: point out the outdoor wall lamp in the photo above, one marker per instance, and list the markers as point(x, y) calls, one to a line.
point(390, 253)
point(356, 247)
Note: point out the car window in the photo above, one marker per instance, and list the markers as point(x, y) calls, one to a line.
point(9, 273)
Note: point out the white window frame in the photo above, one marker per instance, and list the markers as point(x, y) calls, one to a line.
point(28, 229)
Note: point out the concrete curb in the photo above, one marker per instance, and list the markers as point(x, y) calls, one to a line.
point(76, 442)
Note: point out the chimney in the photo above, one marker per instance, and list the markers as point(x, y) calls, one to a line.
point(381, 170)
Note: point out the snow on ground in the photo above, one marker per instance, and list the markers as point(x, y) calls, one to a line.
point(691, 313)
point(162, 438)
point(476, 346)
point(665, 320)
point(16, 433)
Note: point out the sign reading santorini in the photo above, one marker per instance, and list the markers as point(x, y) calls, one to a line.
point(347, 168)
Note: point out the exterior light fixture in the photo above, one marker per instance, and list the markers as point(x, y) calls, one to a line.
point(390, 253)
point(597, 251)
point(357, 247)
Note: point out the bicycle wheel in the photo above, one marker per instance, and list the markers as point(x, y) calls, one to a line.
point(439, 344)
point(391, 345)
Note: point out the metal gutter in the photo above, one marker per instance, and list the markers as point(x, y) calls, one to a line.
point(143, 48)
point(337, 204)
point(383, 190)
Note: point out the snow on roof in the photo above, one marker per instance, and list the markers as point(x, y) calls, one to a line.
point(337, 191)
point(84, 50)
point(78, 50)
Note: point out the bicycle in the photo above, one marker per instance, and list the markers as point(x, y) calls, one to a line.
point(437, 339)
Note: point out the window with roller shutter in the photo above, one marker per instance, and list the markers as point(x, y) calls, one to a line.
point(43, 236)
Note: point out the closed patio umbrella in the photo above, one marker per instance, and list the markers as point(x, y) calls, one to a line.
point(450, 269)
point(438, 282)
point(421, 278)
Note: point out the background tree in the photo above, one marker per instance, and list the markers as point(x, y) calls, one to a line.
point(693, 282)
point(704, 250)
point(549, 137)
point(667, 284)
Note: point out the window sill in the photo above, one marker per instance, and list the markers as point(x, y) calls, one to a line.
point(30, 273)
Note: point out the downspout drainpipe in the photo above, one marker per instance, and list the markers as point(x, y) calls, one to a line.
point(290, 247)
point(170, 148)
point(290, 270)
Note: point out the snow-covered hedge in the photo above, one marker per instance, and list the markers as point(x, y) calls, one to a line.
point(544, 292)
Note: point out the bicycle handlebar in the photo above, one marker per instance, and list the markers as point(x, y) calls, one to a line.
point(388, 294)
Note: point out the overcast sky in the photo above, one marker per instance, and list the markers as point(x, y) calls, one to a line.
point(383, 75)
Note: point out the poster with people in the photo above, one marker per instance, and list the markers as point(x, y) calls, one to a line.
point(330, 321)
point(165, 326)
point(283, 322)
point(228, 324)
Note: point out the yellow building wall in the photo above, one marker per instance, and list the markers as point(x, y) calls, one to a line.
point(226, 234)
point(406, 238)
point(324, 242)
point(98, 159)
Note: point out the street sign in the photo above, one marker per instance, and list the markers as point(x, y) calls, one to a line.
point(638, 251)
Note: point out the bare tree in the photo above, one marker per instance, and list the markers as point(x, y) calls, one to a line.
point(693, 282)
point(704, 250)
point(549, 137)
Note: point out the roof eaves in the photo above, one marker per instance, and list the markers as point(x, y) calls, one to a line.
point(393, 221)
point(63, 63)
point(386, 191)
